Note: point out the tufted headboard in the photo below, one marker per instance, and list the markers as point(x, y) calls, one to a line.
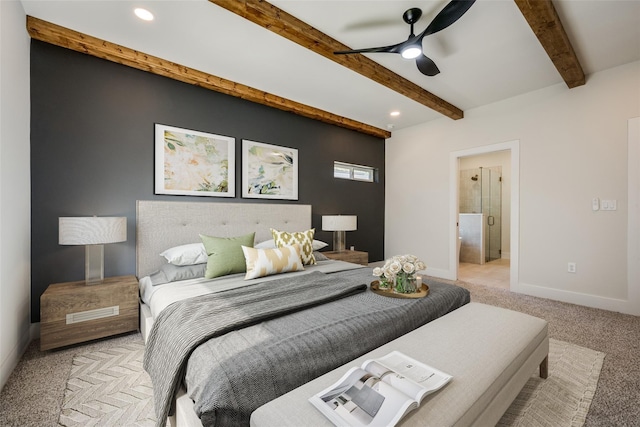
point(161, 225)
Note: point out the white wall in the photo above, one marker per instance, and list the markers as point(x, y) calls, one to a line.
point(15, 189)
point(572, 147)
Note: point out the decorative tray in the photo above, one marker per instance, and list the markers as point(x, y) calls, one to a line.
point(424, 291)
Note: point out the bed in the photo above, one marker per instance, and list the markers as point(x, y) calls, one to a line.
point(235, 344)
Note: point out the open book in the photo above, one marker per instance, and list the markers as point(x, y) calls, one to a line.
point(380, 392)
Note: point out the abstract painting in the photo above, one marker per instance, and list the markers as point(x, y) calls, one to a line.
point(269, 171)
point(192, 163)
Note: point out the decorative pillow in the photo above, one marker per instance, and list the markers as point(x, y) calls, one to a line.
point(271, 244)
point(225, 254)
point(319, 256)
point(319, 244)
point(189, 254)
point(304, 238)
point(264, 262)
point(173, 273)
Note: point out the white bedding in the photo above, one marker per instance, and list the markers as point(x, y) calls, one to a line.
point(160, 296)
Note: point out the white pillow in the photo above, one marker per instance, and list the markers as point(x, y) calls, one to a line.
point(190, 254)
point(271, 244)
point(265, 262)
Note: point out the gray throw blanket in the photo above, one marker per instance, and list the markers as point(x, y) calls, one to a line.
point(230, 376)
point(175, 334)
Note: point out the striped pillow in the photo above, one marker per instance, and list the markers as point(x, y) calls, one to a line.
point(265, 262)
point(304, 238)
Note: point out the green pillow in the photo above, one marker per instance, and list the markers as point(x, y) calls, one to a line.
point(225, 254)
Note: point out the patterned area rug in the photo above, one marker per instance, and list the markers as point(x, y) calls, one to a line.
point(110, 388)
point(563, 399)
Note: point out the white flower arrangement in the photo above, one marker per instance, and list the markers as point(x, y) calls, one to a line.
point(399, 266)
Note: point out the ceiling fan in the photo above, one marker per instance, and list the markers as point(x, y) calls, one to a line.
point(412, 47)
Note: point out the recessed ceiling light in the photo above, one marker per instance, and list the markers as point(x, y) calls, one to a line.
point(394, 113)
point(143, 14)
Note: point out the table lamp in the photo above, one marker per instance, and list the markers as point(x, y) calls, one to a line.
point(339, 224)
point(93, 232)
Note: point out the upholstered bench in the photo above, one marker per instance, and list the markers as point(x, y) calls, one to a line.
point(491, 352)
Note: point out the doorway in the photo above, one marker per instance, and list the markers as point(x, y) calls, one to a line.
point(497, 169)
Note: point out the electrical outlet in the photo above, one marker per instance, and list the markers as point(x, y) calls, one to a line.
point(571, 267)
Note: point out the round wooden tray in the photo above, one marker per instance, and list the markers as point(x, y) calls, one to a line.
point(424, 291)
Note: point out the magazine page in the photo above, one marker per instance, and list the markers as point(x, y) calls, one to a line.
point(362, 399)
point(413, 377)
point(394, 379)
point(380, 393)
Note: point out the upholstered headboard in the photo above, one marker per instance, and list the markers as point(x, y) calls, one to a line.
point(161, 225)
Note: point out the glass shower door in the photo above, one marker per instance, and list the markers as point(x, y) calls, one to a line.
point(492, 210)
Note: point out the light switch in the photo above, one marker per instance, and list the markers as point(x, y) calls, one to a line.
point(595, 204)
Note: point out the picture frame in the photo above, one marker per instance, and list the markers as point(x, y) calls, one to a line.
point(269, 171)
point(193, 163)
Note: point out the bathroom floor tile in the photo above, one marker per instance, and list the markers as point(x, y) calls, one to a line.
point(494, 273)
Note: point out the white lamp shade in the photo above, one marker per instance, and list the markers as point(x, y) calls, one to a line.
point(91, 230)
point(339, 222)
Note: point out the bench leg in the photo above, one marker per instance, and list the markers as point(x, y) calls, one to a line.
point(544, 368)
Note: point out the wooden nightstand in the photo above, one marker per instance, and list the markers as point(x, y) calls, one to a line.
point(74, 312)
point(356, 257)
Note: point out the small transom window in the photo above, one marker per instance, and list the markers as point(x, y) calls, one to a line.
point(354, 172)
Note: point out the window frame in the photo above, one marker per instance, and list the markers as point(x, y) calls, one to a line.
point(353, 169)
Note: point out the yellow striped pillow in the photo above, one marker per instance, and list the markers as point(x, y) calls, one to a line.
point(264, 262)
point(304, 238)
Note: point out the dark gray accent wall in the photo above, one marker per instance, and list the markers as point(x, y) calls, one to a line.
point(92, 153)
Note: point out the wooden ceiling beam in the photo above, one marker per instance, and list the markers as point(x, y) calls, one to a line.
point(69, 39)
point(280, 22)
point(546, 25)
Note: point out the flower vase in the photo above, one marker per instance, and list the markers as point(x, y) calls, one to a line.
point(398, 274)
point(405, 284)
point(410, 284)
point(384, 284)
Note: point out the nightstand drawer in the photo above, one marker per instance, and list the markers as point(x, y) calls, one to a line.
point(74, 312)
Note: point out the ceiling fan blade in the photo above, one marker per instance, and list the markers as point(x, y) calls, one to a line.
point(427, 66)
point(383, 49)
point(447, 16)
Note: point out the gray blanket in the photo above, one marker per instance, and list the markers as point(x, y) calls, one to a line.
point(184, 325)
point(230, 376)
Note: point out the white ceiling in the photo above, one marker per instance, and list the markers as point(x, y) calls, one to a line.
point(488, 55)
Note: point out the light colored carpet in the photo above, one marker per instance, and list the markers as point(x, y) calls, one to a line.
point(563, 399)
point(109, 388)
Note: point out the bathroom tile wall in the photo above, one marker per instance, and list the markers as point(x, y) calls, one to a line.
point(470, 194)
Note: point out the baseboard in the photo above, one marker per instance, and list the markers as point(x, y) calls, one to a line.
point(593, 301)
point(9, 364)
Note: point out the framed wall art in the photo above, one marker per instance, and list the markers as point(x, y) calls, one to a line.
point(269, 171)
point(193, 163)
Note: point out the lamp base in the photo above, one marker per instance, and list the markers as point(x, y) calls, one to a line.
point(94, 264)
point(339, 241)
